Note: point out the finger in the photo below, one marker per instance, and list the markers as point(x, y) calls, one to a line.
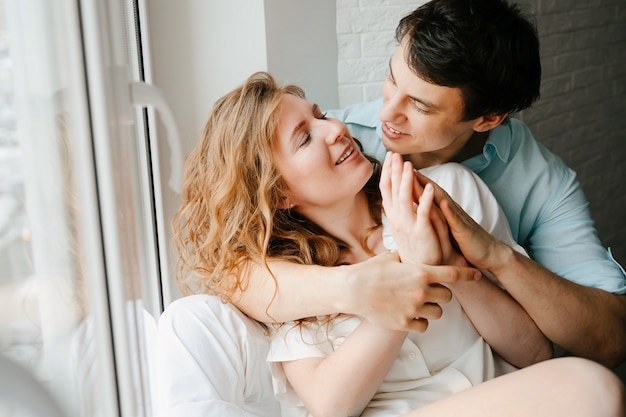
point(405, 198)
point(439, 222)
point(396, 175)
point(447, 274)
point(393, 257)
point(440, 193)
point(418, 325)
point(436, 294)
point(385, 182)
point(418, 188)
point(421, 178)
point(456, 217)
point(429, 311)
point(440, 225)
point(425, 202)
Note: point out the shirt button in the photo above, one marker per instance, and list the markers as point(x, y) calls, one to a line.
point(412, 355)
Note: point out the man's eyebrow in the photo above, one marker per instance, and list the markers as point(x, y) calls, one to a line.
point(419, 100)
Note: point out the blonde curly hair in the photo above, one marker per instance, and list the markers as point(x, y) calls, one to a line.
point(230, 213)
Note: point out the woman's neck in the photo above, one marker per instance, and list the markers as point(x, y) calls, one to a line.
point(350, 223)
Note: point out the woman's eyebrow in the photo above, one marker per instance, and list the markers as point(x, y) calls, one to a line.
point(314, 110)
point(298, 127)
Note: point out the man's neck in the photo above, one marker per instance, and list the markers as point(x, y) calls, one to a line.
point(473, 146)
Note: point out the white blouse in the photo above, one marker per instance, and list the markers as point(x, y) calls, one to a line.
point(449, 357)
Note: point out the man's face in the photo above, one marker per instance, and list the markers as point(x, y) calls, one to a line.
point(420, 117)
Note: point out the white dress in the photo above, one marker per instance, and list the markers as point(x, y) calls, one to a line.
point(449, 357)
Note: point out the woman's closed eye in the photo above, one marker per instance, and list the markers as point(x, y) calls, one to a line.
point(305, 140)
point(318, 114)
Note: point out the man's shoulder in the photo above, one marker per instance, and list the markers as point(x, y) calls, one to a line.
point(525, 148)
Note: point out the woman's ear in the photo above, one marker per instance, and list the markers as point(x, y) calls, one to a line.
point(489, 121)
point(285, 204)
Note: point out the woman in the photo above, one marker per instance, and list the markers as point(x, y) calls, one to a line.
point(273, 179)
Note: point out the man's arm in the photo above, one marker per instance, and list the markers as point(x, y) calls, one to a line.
point(498, 317)
point(382, 290)
point(586, 321)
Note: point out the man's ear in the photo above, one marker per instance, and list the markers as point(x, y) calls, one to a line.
point(489, 121)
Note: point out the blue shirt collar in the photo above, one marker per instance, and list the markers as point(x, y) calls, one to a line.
point(498, 145)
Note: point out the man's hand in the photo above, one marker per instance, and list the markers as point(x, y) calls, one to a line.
point(401, 296)
point(479, 247)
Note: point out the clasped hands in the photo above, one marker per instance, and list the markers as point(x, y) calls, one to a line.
point(404, 289)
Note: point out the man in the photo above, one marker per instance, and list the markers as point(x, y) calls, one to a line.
point(461, 69)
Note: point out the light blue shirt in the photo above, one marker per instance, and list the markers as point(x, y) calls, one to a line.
point(540, 196)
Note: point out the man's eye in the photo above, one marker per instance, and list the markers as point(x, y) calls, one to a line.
point(390, 79)
point(417, 105)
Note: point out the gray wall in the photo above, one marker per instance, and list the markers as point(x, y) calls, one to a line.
point(581, 115)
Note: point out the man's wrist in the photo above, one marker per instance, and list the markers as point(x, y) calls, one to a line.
point(501, 259)
point(345, 284)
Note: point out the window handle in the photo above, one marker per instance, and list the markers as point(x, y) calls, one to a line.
point(143, 94)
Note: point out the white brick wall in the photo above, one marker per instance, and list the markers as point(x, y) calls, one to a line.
point(366, 41)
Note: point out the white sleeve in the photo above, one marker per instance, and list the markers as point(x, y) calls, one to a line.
point(471, 193)
point(290, 343)
point(211, 361)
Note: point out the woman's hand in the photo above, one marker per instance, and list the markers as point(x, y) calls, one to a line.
point(418, 227)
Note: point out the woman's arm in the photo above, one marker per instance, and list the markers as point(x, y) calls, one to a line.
point(343, 383)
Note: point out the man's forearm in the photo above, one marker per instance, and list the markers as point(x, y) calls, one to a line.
point(382, 290)
point(292, 291)
point(503, 323)
point(587, 322)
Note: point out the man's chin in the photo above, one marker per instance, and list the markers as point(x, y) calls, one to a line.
point(394, 145)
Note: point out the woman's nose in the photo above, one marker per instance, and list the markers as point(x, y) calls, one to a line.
point(336, 131)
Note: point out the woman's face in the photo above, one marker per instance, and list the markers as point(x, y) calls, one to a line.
point(317, 158)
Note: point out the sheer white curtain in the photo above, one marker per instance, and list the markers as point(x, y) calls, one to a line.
point(80, 287)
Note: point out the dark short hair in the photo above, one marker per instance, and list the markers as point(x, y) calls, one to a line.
point(487, 48)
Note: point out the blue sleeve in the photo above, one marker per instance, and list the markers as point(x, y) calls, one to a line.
point(363, 124)
point(563, 237)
